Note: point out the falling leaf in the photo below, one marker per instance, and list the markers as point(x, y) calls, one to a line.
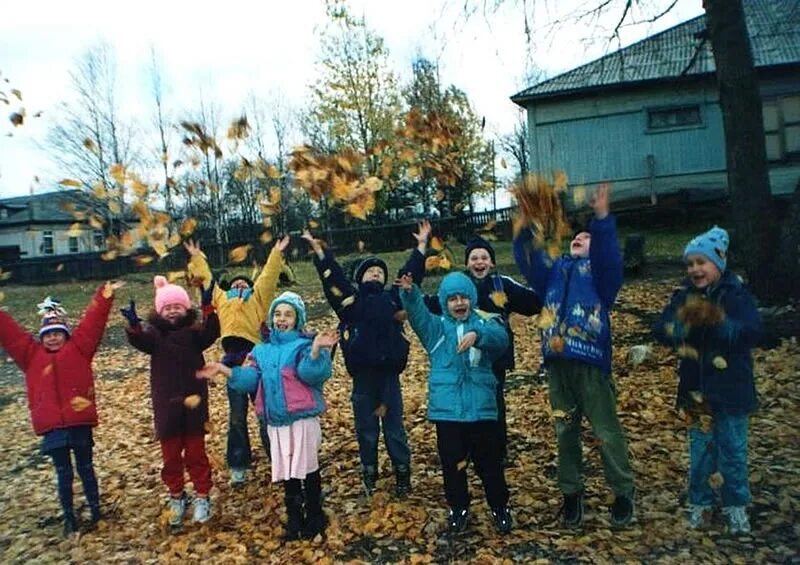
point(16, 92)
point(188, 226)
point(70, 182)
point(239, 254)
point(142, 260)
point(697, 396)
point(74, 230)
point(192, 401)
point(499, 298)
point(579, 196)
point(688, 352)
point(716, 480)
point(546, 318)
point(109, 255)
point(461, 465)
point(503, 163)
point(117, 171)
point(335, 291)
point(444, 263)
point(432, 263)
point(720, 363)
point(266, 236)
point(436, 244)
point(326, 273)
point(59, 267)
point(559, 415)
point(381, 410)
point(313, 224)
point(90, 145)
point(79, 403)
point(360, 246)
point(16, 118)
point(490, 225)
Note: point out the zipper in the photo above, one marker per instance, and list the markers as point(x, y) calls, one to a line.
point(55, 388)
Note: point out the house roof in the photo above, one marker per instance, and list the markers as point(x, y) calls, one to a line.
point(50, 207)
point(774, 27)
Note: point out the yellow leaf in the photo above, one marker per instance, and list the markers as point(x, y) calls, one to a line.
point(313, 224)
point(373, 184)
point(499, 298)
point(444, 263)
point(461, 465)
point(436, 244)
point(559, 414)
point(579, 196)
point(79, 403)
point(335, 291)
point(413, 173)
point(239, 254)
point(173, 276)
point(432, 263)
point(90, 145)
point(117, 171)
point(70, 182)
point(74, 230)
point(716, 480)
point(96, 222)
point(688, 352)
point(360, 246)
point(326, 273)
point(109, 255)
point(357, 211)
point(547, 317)
point(266, 236)
point(192, 401)
point(720, 363)
point(141, 260)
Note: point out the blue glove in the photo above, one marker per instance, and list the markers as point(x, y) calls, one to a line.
point(129, 314)
point(206, 295)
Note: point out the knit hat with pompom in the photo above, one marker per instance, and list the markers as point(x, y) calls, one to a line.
point(167, 293)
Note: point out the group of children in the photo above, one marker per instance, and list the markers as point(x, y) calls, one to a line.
point(271, 361)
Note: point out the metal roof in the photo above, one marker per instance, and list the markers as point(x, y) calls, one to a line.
point(774, 27)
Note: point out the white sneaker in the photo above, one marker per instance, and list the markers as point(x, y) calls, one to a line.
point(698, 516)
point(177, 509)
point(738, 521)
point(202, 510)
point(238, 476)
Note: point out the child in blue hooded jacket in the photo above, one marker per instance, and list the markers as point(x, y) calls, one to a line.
point(713, 322)
point(286, 371)
point(462, 344)
point(579, 290)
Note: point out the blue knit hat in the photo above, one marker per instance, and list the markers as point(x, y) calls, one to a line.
point(457, 283)
point(292, 299)
point(713, 245)
point(371, 261)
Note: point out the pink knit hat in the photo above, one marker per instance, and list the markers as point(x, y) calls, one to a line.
point(169, 294)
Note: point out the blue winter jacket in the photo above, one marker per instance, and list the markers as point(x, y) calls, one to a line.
point(578, 294)
point(728, 387)
point(461, 387)
point(287, 381)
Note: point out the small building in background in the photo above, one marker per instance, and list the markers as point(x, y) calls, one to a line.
point(647, 117)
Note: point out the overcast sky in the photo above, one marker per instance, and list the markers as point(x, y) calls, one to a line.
point(231, 48)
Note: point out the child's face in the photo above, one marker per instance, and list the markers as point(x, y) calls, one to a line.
point(373, 274)
point(284, 318)
point(173, 312)
point(702, 272)
point(240, 284)
point(458, 306)
point(54, 340)
point(579, 247)
point(479, 263)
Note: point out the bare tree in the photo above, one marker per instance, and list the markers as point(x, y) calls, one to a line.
point(161, 124)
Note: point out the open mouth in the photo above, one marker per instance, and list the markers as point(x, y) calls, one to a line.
point(460, 311)
point(479, 271)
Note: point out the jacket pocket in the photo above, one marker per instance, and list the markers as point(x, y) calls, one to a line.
point(444, 390)
point(299, 396)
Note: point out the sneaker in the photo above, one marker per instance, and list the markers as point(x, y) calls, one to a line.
point(369, 474)
point(202, 510)
point(457, 520)
point(502, 519)
point(177, 509)
point(622, 511)
point(738, 521)
point(572, 510)
point(238, 477)
point(699, 516)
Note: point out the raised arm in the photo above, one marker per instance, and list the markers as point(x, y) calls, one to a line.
point(90, 329)
point(266, 284)
point(534, 264)
point(17, 342)
point(521, 299)
point(338, 290)
point(604, 251)
point(315, 364)
point(426, 325)
point(198, 268)
point(138, 337)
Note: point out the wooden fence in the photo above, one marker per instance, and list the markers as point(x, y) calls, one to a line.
point(376, 238)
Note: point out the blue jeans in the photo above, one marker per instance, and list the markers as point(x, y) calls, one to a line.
point(366, 400)
point(62, 461)
point(723, 450)
point(239, 455)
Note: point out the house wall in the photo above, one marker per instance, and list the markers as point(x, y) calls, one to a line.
point(30, 240)
point(604, 137)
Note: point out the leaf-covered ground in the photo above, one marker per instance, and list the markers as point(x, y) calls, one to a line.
point(247, 522)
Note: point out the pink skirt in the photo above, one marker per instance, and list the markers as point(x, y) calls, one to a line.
point(295, 449)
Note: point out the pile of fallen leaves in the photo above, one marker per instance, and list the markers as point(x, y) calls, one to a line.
point(247, 523)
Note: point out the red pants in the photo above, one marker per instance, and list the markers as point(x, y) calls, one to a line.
point(185, 452)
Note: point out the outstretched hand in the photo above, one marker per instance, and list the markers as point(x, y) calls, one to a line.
point(211, 370)
point(423, 232)
point(283, 243)
point(129, 314)
point(324, 340)
point(192, 247)
point(467, 341)
point(600, 201)
point(404, 281)
point(313, 242)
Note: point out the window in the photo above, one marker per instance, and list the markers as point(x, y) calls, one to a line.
point(73, 244)
point(47, 243)
point(782, 128)
point(99, 239)
point(674, 117)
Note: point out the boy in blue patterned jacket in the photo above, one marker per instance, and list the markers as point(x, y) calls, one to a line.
point(714, 323)
point(462, 344)
point(286, 372)
point(579, 289)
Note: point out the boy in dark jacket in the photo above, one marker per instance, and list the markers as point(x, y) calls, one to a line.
point(175, 341)
point(713, 322)
point(60, 386)
point(375, 353)
point(497, 294)
point(579, 289)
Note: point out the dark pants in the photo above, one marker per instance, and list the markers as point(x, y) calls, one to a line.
point(502, 426)
point(368, 394)
point(64, 473)
point(239, 454)
point(460, 442)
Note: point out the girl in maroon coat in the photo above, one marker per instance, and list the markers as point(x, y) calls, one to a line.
point(60, 386)
point(175, 341)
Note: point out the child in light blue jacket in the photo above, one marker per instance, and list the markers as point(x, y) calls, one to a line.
point(462, 344)
point(286, 371)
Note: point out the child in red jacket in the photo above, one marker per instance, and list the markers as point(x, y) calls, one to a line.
point(60, 387)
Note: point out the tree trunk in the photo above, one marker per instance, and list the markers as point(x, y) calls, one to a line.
point(755, 230)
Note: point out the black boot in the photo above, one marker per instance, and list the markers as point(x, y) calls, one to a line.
point(70, 524)
point(402, 475)
point(369, 474)
point(293, 498)
point(315, 521)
